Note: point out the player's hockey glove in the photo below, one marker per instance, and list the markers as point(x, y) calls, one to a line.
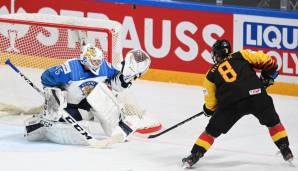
point(207, 112)
point(268, 79)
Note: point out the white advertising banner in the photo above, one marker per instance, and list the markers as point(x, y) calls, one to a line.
point(277, 37)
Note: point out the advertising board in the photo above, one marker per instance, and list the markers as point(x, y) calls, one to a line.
point(178, 36)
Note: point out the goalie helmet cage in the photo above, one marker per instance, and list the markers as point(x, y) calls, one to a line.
point(41, 40)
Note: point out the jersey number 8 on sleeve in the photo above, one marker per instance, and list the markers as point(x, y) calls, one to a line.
point(227, 72)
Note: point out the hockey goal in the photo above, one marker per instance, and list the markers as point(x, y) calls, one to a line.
point(40, 41)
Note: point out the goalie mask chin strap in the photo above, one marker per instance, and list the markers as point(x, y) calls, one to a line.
point(55, 96)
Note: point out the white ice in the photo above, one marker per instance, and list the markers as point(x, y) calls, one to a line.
point(248, 145)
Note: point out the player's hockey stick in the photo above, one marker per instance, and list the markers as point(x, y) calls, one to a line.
point(93, 142)
point(172, 127)
point(175, 126)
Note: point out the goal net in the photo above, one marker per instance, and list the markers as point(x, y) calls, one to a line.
point(40, 41)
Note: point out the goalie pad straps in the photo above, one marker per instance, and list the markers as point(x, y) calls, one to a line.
point(125, 128)
point(118, 84)
point(63, 133)
point(32, 124)
point(34, 128)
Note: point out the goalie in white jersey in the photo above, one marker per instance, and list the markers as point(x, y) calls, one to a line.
point(85, 84)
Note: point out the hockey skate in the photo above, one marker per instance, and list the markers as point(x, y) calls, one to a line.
point(126, 130)
point(36, 122)
point(286, 153)
point(34, 127)
point(192, 159)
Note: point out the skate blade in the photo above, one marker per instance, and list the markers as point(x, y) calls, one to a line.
point(291, 164)
point(290, 161)
point(186, 165)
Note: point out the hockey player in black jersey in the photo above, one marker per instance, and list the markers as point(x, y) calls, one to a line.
point(232, 89)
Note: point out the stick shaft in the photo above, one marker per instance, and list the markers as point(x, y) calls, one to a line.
point(175, 126)
point(23, 76)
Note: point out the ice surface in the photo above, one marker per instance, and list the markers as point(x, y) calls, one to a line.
point(248, 145)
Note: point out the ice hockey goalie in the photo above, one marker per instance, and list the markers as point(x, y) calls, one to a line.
point(91, 90)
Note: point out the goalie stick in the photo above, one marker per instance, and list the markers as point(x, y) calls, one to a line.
point(93, 142)
point(172, 127)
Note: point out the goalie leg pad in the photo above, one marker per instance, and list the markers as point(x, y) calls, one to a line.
point(38, 128)
point(55, 101)
point(34, 128)
point(135, 115)
point(63, 133)
point(104, 107)
point(36, 135)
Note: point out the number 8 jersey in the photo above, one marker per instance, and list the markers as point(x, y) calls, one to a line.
point(234, 78)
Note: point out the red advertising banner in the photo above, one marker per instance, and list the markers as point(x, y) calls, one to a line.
point(177, 40)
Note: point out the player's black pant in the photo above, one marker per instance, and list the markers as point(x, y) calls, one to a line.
point(261, 106)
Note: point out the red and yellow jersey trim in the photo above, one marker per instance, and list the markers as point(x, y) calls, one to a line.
point(205, 141)
point(277, 132)
point(259, 60)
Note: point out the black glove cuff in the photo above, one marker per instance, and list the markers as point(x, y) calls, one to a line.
point(269, 74)
point(267, 77)
point(207, 111)
point(123, 83)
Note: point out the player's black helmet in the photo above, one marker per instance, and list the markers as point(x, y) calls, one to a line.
point(220, 50)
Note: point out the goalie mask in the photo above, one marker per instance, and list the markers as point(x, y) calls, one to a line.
point(91, 57)
point(135, 64)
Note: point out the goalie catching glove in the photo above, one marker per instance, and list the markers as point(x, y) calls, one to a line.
point(135, 64)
